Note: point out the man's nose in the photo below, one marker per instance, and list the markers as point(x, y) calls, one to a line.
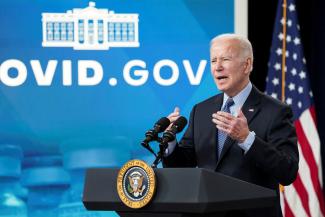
point(219, 66)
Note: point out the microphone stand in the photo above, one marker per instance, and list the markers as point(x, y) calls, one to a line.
point(147, 146)
point(162, 149)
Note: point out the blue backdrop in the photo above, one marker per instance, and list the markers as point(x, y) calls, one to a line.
point(41, 117)
point(57, 119)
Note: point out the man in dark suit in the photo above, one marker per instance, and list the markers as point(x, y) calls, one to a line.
point(241, 132)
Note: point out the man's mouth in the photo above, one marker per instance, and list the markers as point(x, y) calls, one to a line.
point(220, 78)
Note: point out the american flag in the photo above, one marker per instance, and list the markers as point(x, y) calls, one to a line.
point(288, 81)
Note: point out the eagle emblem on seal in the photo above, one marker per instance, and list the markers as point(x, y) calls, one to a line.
point(136, 186)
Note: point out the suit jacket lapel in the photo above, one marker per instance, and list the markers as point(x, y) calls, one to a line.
point(250, 109)
point(217, 103)
point(252, 105)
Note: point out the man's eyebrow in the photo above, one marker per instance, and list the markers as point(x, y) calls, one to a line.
point(222, 57)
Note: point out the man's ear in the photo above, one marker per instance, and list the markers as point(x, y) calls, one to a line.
point(248, 65)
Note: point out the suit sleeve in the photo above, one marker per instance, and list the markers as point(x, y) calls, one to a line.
point(184, 152)
point(278, 155)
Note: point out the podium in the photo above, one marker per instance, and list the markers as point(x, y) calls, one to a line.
point(180, 192)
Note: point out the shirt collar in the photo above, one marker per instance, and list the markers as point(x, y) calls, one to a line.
point(239, 99)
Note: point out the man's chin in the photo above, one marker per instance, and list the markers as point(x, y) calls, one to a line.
point(222, 88)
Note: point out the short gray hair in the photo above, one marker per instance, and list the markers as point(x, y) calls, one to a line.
point(244, 43)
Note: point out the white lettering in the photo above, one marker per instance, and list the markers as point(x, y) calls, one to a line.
point(90, 72)
point(21, 70)
point(194, 79)
point(67, 72)
point(83, 78)
point(143, 74)
point(44, 78)
point(164, 63)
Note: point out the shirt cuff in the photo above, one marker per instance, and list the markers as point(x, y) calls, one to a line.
point(170, 148)
point(246, 145)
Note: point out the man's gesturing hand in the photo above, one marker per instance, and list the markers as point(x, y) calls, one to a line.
point(235, 127)
point(173, 116)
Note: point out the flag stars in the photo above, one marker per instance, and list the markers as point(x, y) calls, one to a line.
point(277, 66)
point(288, 38)
point(275, 81)
point(289, 22)
point(296, 40)
point(296, 84)
point(282, 21)
point(274, 95)
point(302, 74)
point(292, 7)
point(289, 101)
point(299, 104)
point(292, 86)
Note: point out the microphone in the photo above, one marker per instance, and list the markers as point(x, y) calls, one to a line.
point(152, 134)
point(159, 127)
point(168, 136)
point(177, 127)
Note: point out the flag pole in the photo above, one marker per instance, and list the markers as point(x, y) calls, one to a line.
point(284, 48)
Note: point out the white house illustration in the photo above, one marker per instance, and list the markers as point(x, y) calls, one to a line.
point(90, 29)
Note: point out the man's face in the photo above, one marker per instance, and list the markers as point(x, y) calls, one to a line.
point(229, 68)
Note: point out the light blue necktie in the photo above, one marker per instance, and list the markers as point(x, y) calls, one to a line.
point(222, 136)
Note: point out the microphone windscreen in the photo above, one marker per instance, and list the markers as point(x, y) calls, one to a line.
point(180, 123)
point(163, 124)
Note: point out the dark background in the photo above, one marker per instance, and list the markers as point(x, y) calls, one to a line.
point(311, 15)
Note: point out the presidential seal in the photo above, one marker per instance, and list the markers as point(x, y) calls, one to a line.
point(136, 184)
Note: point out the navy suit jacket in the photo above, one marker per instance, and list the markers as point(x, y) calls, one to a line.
point(271, 160)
